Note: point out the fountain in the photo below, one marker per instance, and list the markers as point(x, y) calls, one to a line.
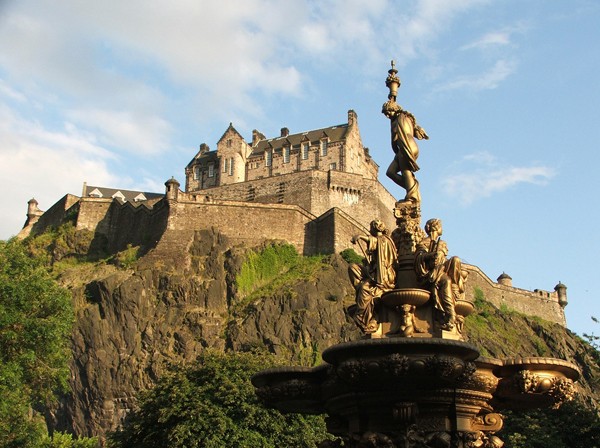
point(412, 381)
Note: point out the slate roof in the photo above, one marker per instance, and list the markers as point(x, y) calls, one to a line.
point(207, 156)
point(335, 134)
point(121, 195)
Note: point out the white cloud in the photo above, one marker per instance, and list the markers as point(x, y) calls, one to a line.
point(416, 29)
point(494, 38)
point(488, 80)
point(38, 162)
point(136, 132)
point(499, 38)
point(481, 175)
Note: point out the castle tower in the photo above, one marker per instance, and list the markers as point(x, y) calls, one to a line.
point(172, 189)
point(232, 152)
point(504, 279)
point(33, 212)
point(561, 290)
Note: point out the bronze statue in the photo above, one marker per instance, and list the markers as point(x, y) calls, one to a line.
point(375, 276)
point(445, 278)
point(404, 130)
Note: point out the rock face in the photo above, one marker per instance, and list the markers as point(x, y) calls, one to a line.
point(181, 298)
point(178, 300)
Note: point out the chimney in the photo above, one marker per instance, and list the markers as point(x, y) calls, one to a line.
point(352, 118)
point(285, 132)
point(204, 148)
point(256, 137)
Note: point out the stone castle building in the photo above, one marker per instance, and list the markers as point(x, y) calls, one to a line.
point(313, 189)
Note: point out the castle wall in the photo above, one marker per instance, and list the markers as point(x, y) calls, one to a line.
point(55, 215)
point(534, 303)
point(136, 225)
point(335, 229)
point(317, 192)
point(92, 214)
point(242, 222)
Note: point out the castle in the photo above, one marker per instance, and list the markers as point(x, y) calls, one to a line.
point(313, 189)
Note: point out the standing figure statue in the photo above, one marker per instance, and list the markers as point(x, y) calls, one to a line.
point(375, 276)
point(445, 278)
point(404, 130)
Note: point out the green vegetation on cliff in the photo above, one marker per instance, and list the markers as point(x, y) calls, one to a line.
point(212, 404)
point(273, 269)
point(36, 318)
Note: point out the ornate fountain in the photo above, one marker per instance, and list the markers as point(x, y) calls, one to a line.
point(412, 381)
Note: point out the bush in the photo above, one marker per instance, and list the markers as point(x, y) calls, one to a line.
point(213, 405)
point(351, 256)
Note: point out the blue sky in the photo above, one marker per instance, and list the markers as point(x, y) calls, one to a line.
point(121, 94)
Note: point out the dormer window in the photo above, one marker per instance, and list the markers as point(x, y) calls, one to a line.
point(324, 147)
point(119, 195)
point(268, 157)
point(304, 151)
point(286, 154)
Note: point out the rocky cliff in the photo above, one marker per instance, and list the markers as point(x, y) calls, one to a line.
point(139, 316)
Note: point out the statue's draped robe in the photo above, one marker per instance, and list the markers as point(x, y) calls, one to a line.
point(406, 149)
point(434, 273)
point(373, 279)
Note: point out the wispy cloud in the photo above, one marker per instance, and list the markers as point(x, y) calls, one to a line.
point(481, 175)
point(498, 38)
point(487, 80)
point(36, 161)
point(136, 132)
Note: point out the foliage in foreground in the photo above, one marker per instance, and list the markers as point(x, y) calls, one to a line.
point(571, 426)
point(213, 405)
point(36, 318)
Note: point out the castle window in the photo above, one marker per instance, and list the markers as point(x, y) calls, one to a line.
point(226, 165)
point(286, 154)
point(229, 143)
point(333, 166)
point(231, 166)
point(211, 170)
point(304, 151)
point(323, 148)
point(196, 172)
point(268, 158)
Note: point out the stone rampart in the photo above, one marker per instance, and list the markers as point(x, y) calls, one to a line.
point(243, 222)
point(533, 303)
point(315, 191)
point(55, 215)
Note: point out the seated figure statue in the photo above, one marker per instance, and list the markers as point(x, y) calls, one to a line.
point(375, 276)
point(444, 278)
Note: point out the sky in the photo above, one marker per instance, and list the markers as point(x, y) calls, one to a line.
point(121, 94)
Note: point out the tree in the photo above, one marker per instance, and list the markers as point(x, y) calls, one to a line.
point(36, 317)
point(213, 405)
point(573, 425)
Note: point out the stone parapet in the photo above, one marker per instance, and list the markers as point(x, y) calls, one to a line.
point(539, 303)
